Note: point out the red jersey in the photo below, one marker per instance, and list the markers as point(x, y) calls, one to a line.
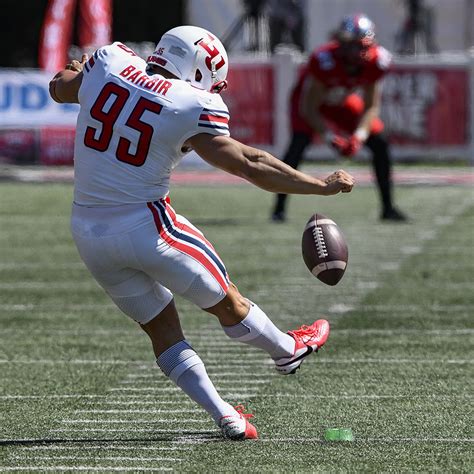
point(326, 66)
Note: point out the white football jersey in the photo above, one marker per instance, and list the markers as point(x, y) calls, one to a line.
point(132, 126)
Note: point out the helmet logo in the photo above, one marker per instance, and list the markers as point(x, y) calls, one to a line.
point(213, 52)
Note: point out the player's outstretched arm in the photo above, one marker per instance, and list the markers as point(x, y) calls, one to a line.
point(263, 169)
point(313, 95)
point(372, 99)
point(64, 86)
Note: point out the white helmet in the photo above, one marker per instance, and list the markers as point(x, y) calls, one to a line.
point(194, 55)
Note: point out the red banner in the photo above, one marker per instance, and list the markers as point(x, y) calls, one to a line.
point(426, 105)
point(56, 146)
point(95, 26)
point(250, 98)
point(55, 35)
point(17, 146)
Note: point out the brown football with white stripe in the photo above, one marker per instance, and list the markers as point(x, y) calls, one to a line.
point(324, 249)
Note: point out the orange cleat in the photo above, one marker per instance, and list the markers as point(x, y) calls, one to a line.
point(237, 427)
point(308, 340)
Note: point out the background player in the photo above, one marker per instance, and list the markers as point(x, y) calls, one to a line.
point(325, 101)
point(136, 122)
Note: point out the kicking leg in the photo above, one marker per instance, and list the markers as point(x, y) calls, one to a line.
point(245, 322)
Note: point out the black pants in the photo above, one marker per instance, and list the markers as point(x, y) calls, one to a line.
point(381, 163)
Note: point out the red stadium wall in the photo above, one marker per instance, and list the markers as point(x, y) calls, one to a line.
point(250, 98)
point(427, 105)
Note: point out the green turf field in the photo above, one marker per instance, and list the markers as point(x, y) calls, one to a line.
point(79, 389)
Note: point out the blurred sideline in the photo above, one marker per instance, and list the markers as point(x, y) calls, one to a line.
point(205, 176)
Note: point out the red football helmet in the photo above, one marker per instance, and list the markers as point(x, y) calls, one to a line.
point(355, 34)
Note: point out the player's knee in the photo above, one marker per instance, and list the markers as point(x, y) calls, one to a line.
point(232, 308)
point(238, 301)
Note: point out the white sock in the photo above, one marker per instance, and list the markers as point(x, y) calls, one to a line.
point(186, 369)
point(258, 330)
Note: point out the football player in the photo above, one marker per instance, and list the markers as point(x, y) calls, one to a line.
point(337, 96)
point(137, 120)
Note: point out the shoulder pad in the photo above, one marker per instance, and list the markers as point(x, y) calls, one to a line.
point(325, 60)
point(384, 58)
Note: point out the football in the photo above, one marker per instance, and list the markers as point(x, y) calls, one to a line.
point(325, 251)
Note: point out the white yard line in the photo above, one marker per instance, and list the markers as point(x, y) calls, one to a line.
point(26, 219)
point(395, 361)
point(145, 389)
point(419, 440)
point(230, 395)
point(210, 343)
point(204, 333)
point(217, 361)
point(53, 286)
point(45, 397)
point(102, 447)
point(398, 332)
point(341, 308)
point(148, 421)
point(322, 360)
point(220, 387)
point(110, 398)
point(414, 396)
point(58, 308)
point(370, 440)
point(184, 410)
point(42, 265)
point(144, 399)
point(100, 458)
point(242, 381)
point(136, 430)
point(410, 249)
point(71, 361)
point(216, 341)
point(237, 375)
point(36, 468)
point(390, 266)
point(153, 402)
point(401, 308)
point(238, 395)
point(367, 285)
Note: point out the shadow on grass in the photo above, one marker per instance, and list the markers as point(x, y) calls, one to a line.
point(190, 436)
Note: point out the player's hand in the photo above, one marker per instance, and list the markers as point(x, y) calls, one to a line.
point(339, 181)
point(353, 146)
point(346, 146)
point(339, 143)
point(76, 65)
